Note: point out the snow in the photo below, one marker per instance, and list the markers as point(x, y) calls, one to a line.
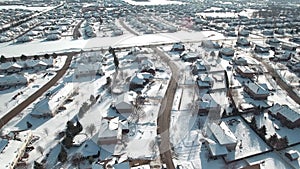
point(295, 150)
point(152, 2)
point(268, 160)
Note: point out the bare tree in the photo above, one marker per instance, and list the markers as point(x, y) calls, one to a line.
point(40, 149)
point(91, 129)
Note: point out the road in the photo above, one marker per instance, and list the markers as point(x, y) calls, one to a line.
point(19, 108)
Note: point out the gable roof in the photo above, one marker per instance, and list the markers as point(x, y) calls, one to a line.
point(222, 133)
point(256, 88)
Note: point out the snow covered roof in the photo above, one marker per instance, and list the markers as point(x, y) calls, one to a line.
point(285, 111)
point(227, 51)
point(217, 149)
point(257, 89)
point(50, 104)
point(208, 102)
point(138, 79)
point(223, 134)
point(3, 144)
point(109, 128)
point(83, 68)
point(246, 69)
point(13, 79)
point(89, 148)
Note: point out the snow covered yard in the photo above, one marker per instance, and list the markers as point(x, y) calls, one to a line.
point(273, 126)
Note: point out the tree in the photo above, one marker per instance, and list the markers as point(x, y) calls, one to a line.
point(262, 131)
point(14, 59)
point(273, 139)
point(23, 57)
point(91, 129)
point(68, 141)
point(62, 156)
point(54, 55)
point(29, 125)
point(37, 165)
point(92, 98)
point(46, 56)
point(253, 122)
point(108, 81)
point(76, 159)
point(36, 57)
point(116, 60)
point(2, 59)
point(40, 149)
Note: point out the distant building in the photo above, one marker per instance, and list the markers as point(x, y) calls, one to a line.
point(256, 91)
point(12, 81)
point(287, 116)
point(261, 48)
point(227, 52)
point(84, 70)
point(208, 104)
point(288, 46)
point(178, 47)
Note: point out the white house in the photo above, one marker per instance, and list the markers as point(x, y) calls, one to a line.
point(124, 103)
point(88, 70)
point(109, 132)
point(223, 135)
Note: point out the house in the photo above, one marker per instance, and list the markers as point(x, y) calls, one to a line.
point(240, 61)
point(83, 70)
point(223, 135)
point(178, 47)
point(227, 52)
point(215, 149)
point(246, 71)
point(256, 91)
point(292, 155)
point(287, 116)
point(210, 44)
point(49, 106)
point(288, 46)
point(204, 81)
point(109, 132)
point(261, 48)
point(189, 56)
point(14, 149)
point(124, 102)
point(198, 66)
point(12, 81)
point(14, 68)
point(242, 42)
point(139, 80)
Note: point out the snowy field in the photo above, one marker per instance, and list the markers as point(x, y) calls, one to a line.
point(68, 44)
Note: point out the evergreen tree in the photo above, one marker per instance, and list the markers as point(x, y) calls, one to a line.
point(2, 59)
point(23, 57)
point(14, 59)
point(46, 56)
point(36, 57)
point(262, 131)
point(37, 165)
point(253, 122)
point(62, 156)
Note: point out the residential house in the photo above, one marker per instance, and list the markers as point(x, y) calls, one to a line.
point(240, 61)
point(227, 52)
point(12, 81)
point(288, 46)
point(223, 135)
point(110, 132)
point(261, 48)
point(242, 42)
point(210, 44)
point(256, 91)
point(198, 66)
point(124, 103)
point(246, 71)
point(204, 81)
point(287, 116)
point(190, 56)
point(83, 70)
point(49, 106)
point(178, 47)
